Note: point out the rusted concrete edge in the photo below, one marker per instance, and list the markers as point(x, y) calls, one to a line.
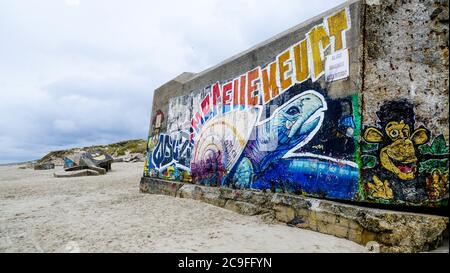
point(394, 231)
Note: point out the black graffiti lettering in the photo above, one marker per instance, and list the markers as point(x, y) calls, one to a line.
point(157, 153)
point(170, 150)
point(184, 147)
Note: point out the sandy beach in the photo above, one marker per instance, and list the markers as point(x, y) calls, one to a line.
point(40, 213)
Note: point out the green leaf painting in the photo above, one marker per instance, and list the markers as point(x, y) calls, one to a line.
point(438, 147)
point(369, 161)
point(432, 164)
point(367, 147)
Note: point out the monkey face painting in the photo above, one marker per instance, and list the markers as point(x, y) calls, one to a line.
point(396, 175)
point(401, 163)
point(399, 156)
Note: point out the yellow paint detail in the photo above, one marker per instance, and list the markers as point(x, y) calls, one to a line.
point(337, 23)
point(186, 177)
point(319, 40)
point(438, 185)
point(146, 167)
point(285, 82)
point(379, 189)
point(401, 151)
point(170, 171)
point(396, 130)
point(399, 157)
point(373, 135)
point(420, 136)
point(301, 61)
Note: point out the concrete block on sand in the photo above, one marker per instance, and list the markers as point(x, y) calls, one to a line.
point(79, 173)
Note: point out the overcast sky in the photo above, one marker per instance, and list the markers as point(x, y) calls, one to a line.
point(76, 72)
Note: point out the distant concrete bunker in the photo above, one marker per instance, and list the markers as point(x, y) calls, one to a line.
point(86, 164)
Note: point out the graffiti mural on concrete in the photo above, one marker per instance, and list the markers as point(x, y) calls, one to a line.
point(157, 121)
point(168, 156)
point(281, 127)
point(273, 127)
point(401, 166)
point(323, 163)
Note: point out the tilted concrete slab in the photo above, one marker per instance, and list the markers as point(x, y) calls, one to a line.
point(86, 172)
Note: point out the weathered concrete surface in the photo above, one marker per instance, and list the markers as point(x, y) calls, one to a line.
point(395, 231)
point(161, 187)
point(399, 58)
point(97, 169)
point(78, 168)
point(398, 65)
point(407, 56)
point(170, 89)
point(86, 172)
point(44, 166)
point(262, 54)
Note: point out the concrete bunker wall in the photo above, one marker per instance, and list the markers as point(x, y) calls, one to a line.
point(349, 105)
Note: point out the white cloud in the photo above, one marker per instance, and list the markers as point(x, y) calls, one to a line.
point(72, 3)
point(64, 126)
point(75, 73)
